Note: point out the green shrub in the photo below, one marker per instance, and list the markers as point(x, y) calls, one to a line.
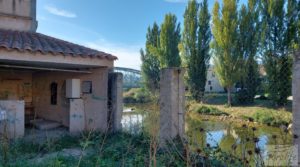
point(269, 118)
point(205, 110)
point(136, 95)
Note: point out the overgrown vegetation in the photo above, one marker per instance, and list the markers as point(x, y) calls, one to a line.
point(136, 95)
point(208, 110)
point(261, 111)
point(106, 150)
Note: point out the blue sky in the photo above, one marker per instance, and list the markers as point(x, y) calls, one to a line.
point(114, 26)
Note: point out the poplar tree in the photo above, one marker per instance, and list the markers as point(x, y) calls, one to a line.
point(279, 32)
point(150, 63)
point(227, 61)
point(196, 38)
point(248, 43)
point(168, 50)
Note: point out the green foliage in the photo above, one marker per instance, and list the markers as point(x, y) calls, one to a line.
point(168, 50)
point(278, 38)
point(161, 51)
point(249, 35)
point(207, 110)
point(269, 118)
point(136, 95)
point(150, 63)
point(114, 150)
point(225, 45)
point(242, 97)
point(196, 38)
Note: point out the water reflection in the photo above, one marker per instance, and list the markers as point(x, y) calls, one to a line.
point(235, 139)
point(132, 123)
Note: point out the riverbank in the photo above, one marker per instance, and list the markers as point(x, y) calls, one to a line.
point(255, 114)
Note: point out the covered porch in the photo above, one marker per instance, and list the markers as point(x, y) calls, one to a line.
point(49, 82)
point(52, 95)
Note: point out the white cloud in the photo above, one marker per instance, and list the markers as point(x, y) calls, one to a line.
point(60, 12)
point(128, 56)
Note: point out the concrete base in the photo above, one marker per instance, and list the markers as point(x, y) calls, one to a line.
point(172, 103)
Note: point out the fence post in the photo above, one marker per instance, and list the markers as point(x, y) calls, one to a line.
point(296, 100)
point(172, 104)
point(115, 101)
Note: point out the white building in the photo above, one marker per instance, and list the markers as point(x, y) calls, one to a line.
point(212, 82)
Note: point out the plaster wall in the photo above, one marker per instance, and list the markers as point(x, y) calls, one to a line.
point(212, 82)
point(95, 104)
point(18, 15)
point(16, 85)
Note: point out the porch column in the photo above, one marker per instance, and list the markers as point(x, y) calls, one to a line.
point(172, 104)
point(115, 101)
point(296, 100)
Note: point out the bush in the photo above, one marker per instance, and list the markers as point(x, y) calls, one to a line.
point(269, 118)
point(243, 97)
point(136, 95)
point(205, 110)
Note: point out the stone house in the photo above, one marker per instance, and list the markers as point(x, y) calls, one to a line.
point(50, 80)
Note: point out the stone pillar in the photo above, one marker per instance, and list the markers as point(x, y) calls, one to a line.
point(77, 117)
point(115, 101)
point(172, 104)
point(296, 100)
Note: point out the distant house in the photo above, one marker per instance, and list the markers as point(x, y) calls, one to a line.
point(47, 79)
point(212, 82)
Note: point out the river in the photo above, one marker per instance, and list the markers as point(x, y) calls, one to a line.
point(239, 140)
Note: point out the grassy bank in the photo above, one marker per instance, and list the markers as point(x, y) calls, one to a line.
point(120, 149)
point(261, 111)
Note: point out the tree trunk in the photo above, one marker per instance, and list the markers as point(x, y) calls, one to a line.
point(229, 96)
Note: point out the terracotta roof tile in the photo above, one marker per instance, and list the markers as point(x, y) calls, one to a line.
point(36, 42)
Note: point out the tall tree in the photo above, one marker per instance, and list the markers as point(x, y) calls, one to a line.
point(204, 38)
point(248, 44)
point(150, 62)
point(227, 62)
point(196, 38)
point(169, 40)
point(277, 37)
